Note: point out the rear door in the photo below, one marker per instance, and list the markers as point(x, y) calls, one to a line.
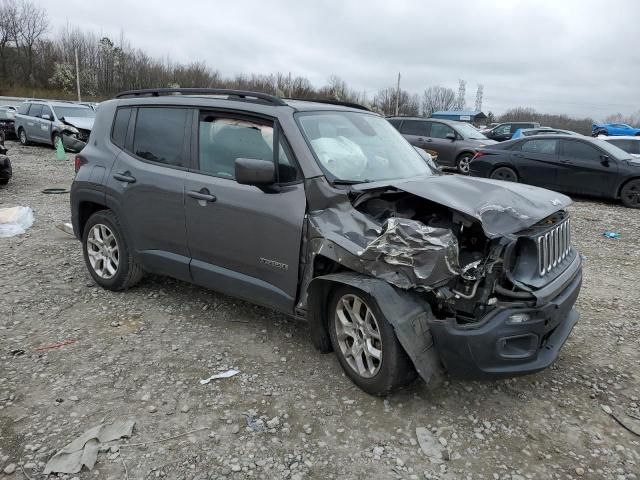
point(33, 122)
point(416, 132)
point(147, 183)
point(538, 162)
point(45, 123)
point(586, 169)
point(438, 141)
point(244, 241)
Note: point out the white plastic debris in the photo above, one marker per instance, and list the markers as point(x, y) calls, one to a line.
point(430, 445)
point(66, 228)
point(15, 221)
point(227, 374)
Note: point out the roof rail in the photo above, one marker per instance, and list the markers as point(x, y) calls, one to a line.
point(332, 102)
point(238, 94)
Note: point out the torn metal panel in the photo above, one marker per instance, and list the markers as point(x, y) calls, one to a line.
point(503, 208)
point(408, 314)
point(403, 252)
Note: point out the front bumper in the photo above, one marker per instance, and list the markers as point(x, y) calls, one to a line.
point(496, 347)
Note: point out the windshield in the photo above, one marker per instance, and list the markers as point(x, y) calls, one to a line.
point(612, 150)
point(360, 147)
point(71, 112)
point(469, 133)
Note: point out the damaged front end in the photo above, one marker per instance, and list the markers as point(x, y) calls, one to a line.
point(466, 259)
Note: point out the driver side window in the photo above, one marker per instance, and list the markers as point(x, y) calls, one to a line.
point(503, 129)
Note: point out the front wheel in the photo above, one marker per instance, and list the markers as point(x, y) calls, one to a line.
point(366, 344)
point(106, 253)
point(463, 162)
point(505, 174)
point(630, 194)
point(22, 136)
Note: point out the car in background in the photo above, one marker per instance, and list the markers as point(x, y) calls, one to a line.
point(631, 145)
point(7, 119)
point(527, 132)
point(5, 164)
point(454, 142)
point(566, 163)
point(44, 121)
point(504, 131)
point(613, 129)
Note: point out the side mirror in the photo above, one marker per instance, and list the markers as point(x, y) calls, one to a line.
point(451, 136)
point(251, 171)
point(46, 116)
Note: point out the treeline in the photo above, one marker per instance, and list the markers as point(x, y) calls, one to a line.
point(34, 63)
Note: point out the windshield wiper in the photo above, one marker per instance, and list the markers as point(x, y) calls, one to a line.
point(339, 181)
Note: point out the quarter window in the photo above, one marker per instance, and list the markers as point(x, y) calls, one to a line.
point(415, 127)
point(581, 150)
point(543, 146)
point(159, 135)
point(120, 126)
point(24, 108)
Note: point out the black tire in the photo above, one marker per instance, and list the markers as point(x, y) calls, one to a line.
point(505, 174)
point(630, 194)
point(22, 137)
point(395, 368)
point(129, 271)
point(462, 163)
point(4, 181)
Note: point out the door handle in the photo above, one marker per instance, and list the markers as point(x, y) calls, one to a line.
point(124, 177)
point(420, 140)
point(203, 194)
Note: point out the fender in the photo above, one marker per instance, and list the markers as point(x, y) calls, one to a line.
point(408, 315)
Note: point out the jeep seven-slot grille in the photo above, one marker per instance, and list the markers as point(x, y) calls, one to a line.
point(553, 247)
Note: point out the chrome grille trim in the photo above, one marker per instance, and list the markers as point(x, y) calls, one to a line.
point(553, 247)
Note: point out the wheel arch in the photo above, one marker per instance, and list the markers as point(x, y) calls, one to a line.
point(87, 208)
point(507, 165)
point(623, 183)
point(408, 314)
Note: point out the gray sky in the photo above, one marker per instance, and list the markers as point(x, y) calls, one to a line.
point(558, 56)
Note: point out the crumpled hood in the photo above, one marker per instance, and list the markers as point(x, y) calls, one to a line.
point(84, 123)
point(502, 208)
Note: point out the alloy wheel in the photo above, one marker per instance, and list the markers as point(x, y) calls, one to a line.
point(358, 335)
point(463, 164)
point(102, 250)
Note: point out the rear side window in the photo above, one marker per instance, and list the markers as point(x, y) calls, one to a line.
point(35, 110)
point(396, 123)
point(629, 146)
point(223, 140)
point(24, 108)
point(159, 135)
point(120, 126)
point(545, 146)
point(580, 150)
point(415, 127)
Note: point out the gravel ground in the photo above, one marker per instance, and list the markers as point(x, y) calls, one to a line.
point(290, 413)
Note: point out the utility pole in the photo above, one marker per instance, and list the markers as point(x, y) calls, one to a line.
point(289, 83)
point(398, 94)
point(77, 75)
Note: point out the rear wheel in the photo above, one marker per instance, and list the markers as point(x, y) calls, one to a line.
point(463, 163)
point(366, 344)
point(630, 194)
point(22, 136)
point(505, 174)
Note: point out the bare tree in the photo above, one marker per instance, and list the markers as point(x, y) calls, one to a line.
point(385, 102)
point(437, 98)
point(31, 24)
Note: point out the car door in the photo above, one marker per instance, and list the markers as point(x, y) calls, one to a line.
point(244, 241)
point(32, 125)
point(416, 132)
point(586, 168)
point(438, 141)
point(537, 162)
point(45, 122)
point(146, 185)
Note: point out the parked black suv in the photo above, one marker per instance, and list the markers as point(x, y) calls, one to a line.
point(325, 212)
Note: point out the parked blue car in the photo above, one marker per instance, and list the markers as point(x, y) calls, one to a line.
point(613, 129)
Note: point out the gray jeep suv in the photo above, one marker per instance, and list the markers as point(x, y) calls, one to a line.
point(454, 142)
point(43, 121)
point(326, 213)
